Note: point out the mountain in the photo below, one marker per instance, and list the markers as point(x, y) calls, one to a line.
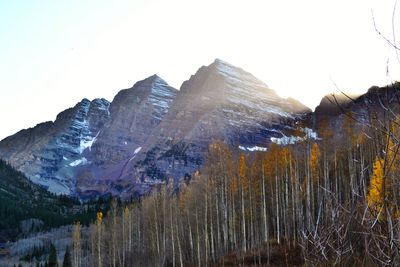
point(362, 109)
point(48, 153)
point(150, 133)
point(332, 105)
point(219, 102)
point(134, 115)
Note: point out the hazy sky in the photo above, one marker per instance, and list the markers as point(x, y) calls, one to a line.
point(54, 53)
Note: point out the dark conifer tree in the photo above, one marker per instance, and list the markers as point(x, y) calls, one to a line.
point(67, 259)
point(52, 257)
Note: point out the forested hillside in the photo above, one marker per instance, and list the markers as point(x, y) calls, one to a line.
point(27, 207)
point(331, 201)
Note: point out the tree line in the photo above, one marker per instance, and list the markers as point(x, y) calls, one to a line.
point(332, 201)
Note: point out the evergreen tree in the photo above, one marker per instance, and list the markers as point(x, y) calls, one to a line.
point(52, 257)
point(67, 259)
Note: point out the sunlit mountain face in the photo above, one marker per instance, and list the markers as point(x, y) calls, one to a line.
point(150, 133)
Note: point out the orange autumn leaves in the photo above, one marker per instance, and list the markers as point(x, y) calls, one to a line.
point(315, 155)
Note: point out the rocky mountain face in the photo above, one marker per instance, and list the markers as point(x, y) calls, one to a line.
point(150, 133)
point(134, 115)
point(362, 108)
point(219, 102)
point(49, 152)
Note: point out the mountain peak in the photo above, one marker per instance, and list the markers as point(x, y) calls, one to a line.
point(230, 71)
point(219, 61)
point(94, 147)
point(152, 79)
point(225, 66)
point(149, 84)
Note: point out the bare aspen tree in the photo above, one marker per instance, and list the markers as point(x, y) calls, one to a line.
point(76, 245)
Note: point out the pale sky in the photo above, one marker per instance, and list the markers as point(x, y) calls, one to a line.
point(54, 53)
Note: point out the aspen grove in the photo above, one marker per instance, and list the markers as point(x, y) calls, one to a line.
point(331, 201)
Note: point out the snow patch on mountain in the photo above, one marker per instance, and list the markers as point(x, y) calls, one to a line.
point(87, 142)
point(137, 150)
point(78, 162)
point(254, 148)
point(290, 140)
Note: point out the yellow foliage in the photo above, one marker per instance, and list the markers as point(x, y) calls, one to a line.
point(242, 166)
point(126, 211)
point(76, 232)
point(99, 217)
point(375, 193)
point(315, 154)
point(244, 182)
